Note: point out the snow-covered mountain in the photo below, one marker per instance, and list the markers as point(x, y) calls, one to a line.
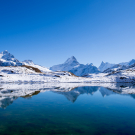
point(131, 62)
point(119, 67)
point(105, 65)
point(67, 65)
point(7, 59)
point(72, 65)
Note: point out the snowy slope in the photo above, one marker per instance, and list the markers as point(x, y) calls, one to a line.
point(115, 68)
point(31, 63)
point(25, 75)
point(7, 59)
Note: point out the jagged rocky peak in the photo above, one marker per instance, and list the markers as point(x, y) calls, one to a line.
point(66, 66)
point(131, 62)
point(7, 59)
point(102, 62)
point(6, 55)
point(105, 65)
point(89, 64)
point(71, 60)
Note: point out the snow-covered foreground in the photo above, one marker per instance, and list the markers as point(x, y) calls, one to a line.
point(28, 75)
point(11, 91)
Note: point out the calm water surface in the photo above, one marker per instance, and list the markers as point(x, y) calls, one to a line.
point(84, 110)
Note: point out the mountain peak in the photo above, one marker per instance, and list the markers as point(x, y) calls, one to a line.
point(102, 62)
point(72, 59)
point(6, 55)
point(7, 59)
point(67, 65)
point(89, 64)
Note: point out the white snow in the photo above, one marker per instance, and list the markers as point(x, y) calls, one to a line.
point(25, 75)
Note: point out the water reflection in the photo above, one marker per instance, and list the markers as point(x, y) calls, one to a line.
point(10, 92)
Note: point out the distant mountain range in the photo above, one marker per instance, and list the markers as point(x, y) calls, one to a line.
point(71, 65)
point(108, 67)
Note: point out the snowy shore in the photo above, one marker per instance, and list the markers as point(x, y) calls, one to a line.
point(26, 75)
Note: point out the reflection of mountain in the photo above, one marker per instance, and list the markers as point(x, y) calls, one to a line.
point(105, 91)
point(73, 94)
point(10, 92)
point(6, 101)
point(132, 95)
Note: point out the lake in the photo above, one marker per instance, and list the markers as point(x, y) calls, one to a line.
point(70, 109)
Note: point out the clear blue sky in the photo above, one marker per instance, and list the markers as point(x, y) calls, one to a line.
point(50, 31)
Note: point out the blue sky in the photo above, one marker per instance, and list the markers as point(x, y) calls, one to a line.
point(50, 31)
